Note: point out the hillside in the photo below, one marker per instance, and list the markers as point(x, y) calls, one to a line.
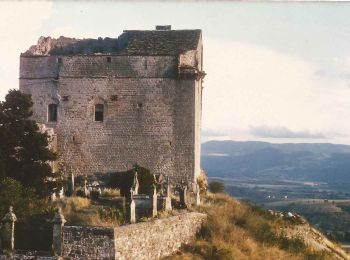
point(236, 230)
point(309, 179)
point(260, 160)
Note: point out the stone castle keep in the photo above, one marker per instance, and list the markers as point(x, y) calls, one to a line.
point(113, 103)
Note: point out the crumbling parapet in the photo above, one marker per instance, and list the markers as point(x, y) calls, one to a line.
point(8, 234)
point(58, 223)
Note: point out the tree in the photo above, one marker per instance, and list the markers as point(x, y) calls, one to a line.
point(24, 152)
point(216, 187)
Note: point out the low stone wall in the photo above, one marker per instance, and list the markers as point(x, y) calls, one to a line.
point(26, 257)
point(88, 242)
point(158, 238)
point(146, 240)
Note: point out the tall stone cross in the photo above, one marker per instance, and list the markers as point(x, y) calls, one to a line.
point(58, 223)
point(132, 208)
point(8, 238)
point(135, 184)
point(154, 202)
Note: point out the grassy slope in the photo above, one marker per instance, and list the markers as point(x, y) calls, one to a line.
point(235, 230)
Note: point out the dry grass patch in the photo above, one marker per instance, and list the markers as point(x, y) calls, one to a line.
point(236, 230)
point(80, 211)
point(110, 193)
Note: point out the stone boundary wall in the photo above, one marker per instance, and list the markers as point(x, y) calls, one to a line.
point(156, 239)
point(147, 240)
point(28, 257)
point(88, 242)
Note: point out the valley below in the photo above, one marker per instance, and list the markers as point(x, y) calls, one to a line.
point(309, 180)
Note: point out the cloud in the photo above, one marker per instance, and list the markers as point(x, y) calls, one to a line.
point(19, 29)
point(252, 85)
point(212, 133)
point(283, 132)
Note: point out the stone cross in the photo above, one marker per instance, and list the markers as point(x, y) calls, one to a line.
point(86, 190)
point(8, 239)
point(58, 223)
point(168, 187)
point(154, 202)
point(132, 208)
point(183, 196)
point(61, 193)
point(53, 196)
point(167, 205)
point(71, 185)
point(135, 185)
point(198, 197)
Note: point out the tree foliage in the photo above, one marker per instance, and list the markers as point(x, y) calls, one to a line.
point(24, 153)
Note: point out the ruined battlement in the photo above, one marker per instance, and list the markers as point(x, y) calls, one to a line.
point(113, 103)
point(130, 43)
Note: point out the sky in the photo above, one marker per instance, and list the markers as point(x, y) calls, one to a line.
point(276, 72)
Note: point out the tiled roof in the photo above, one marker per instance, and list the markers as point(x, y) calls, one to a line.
point(158, 42)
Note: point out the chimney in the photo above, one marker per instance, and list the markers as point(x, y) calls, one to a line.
point(163, 27)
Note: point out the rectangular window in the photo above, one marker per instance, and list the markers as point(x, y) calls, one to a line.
point(52, 113)
point(99, 113)
point(109, 59)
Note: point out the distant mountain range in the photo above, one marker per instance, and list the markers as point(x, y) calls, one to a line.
point(317, 162)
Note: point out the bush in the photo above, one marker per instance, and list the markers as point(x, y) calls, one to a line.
point(202, 181)
point(123, 181)
point(33, 227)
point(94, 194)
point(80, 193)
point(23, 200)
point(112, 214)
point(216, 187)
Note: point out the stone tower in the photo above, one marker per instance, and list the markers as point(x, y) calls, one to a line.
point(114, 102)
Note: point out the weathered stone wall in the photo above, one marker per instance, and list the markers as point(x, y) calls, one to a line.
point(151, 117)
point(88, 242)
point(98, 66)
point(147, 240)
point(28, 257)
point(156, 239)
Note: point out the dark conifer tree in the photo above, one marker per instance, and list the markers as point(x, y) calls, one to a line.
point(24, 152)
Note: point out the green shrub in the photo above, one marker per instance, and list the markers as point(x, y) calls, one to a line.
point(123, 180)
point(80, 193)
point(112, 214)
point(291, 244)
point(216, 187)
point(94, 194)
point(23, 200)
